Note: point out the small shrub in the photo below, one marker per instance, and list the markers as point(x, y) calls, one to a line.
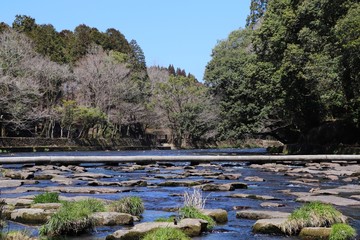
point(130, 205)
point(192, 212)
point(166, 233)
point(314, 214)
point(47, 197)
point(72, 218)
point(341, 231)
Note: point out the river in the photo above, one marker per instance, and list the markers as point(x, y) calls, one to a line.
point(158, 199)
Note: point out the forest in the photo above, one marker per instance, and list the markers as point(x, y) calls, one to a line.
point(292, 73)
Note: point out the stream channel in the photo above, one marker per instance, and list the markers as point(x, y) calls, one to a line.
point(158, 200)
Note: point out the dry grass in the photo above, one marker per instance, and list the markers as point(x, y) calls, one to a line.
point(195, 199)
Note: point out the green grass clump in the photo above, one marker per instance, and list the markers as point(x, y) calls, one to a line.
point(162, 219)
point(130, 205)
point(47, 197)
point(314, 214)
point(72, 218)
point(341, 231)
point(166, 233)
point(192, 212)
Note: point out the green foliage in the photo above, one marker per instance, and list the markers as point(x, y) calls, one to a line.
point(314, 214)
point(72, 218)
point(341, 231)
point(131, 205)
point(47, 197)
point(162, 219)
point(192, 212)
point(166, 234)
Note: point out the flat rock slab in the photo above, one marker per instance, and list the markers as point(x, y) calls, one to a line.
point(351, 188)
point(180, 183)
point(91, 175)
point(271, 205)
point(335, 200)
point(269, 226)
point(261, 214)
point(112, 218)
point(30, 216)
point(10, 183)
point(18, 202)
point(253, 196)
point(192, 227)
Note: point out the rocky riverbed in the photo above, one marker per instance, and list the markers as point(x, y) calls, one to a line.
point(246, 192)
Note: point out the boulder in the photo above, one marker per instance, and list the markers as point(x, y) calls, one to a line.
point(261, 214)
point(18, 174)
point(30, 216)
point(269, 226)
point(315, 233)
point(192, 227)
point(223, 187)
point(229, 176)
point(335, 200)
point(112, 218)
point(219, 215)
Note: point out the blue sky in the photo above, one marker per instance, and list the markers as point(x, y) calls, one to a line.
point(178, 32)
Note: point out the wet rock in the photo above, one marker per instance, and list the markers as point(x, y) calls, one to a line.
point(86, 190)
point(335, 200)
point(180, 183)
point(196, 173)
point(315, 233)
point(133, 183)
point(269, 226)
point(10, 183)
point(43, 176)
point(168, 176)
point(241, 207)
point(219, 215)
point(192, 227)
point(217, 187)
point(261, 214)
point(253, 196)
point(91, 175)
point(112, 218)
point(229, 176)
point(254, 179)
point(271, 205)
point(30, 216)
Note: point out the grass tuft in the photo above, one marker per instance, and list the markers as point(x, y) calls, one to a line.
point(341, 231)
point(192, 212)
point(47, 197)
point(314, 214)
point(162, 219)
point(166, 233)
point(72, 218)
point(130, 205)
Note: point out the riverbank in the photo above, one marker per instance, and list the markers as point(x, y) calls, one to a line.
point(64, 144)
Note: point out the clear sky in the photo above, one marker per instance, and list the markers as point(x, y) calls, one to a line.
point(178, 32)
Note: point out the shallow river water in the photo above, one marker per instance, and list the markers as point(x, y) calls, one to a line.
point(158, 200)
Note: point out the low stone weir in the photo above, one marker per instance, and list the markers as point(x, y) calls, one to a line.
point(199, 159)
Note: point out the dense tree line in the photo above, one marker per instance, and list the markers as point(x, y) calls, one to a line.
point(92, 84)
point(294, 69)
